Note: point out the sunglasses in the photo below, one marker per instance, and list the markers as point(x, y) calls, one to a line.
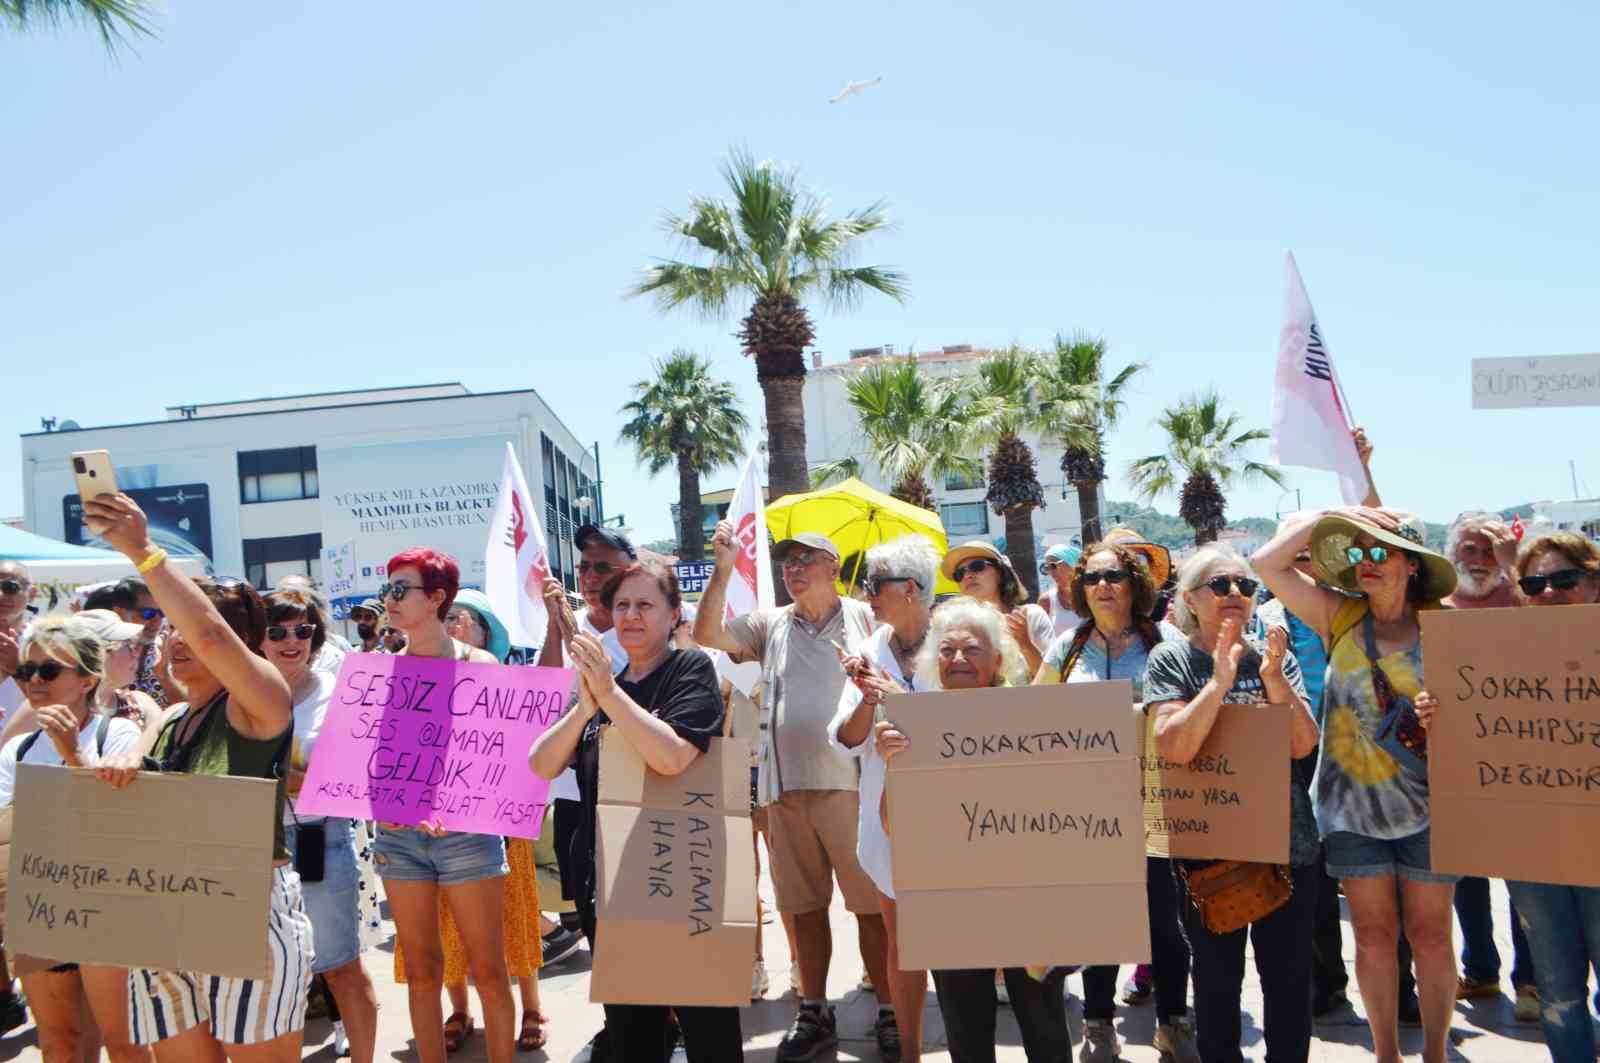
point(875, 584)
point(977, 564)
point(362, 616)
point(149, 614)
point(301, 632)
point(1378, 554)
point(1565, 580)
point(799, 558)
point(11, 586)
point(1113, 576)
point(49, 671)
point(599, 568)
point(395, 591)
point(1221, 585)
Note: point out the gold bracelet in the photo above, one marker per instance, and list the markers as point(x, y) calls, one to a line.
point(152, 561)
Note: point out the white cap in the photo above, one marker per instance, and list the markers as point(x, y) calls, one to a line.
point(108, 625)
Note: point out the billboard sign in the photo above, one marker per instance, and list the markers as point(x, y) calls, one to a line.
point(180, 518)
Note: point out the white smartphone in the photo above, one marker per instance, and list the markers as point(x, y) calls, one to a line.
point(96, 476)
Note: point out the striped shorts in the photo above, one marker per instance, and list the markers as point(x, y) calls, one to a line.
point(241, 1011)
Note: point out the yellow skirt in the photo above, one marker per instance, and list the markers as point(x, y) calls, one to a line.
point(522, 946)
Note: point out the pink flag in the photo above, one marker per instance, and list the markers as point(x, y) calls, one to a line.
point(751, 586)
point(516, 560)
point(1310, 425)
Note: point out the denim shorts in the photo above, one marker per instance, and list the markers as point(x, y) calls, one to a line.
point(334, 904)
point(1352, 855)
point(455, 859)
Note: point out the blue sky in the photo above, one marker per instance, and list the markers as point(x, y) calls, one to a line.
point(304, 196)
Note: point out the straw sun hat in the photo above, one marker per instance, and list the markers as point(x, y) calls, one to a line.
point(1336, 533)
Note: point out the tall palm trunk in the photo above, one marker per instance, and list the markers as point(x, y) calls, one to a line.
point(691, 515)
point(786, 436)
point(1019, 547)
point(1089, 512)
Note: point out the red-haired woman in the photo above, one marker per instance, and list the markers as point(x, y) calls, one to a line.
point(417, 864)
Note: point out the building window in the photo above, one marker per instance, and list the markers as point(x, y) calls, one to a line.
point(956, 482)
point(963, 520)
point(278, 475)
point(266, 561)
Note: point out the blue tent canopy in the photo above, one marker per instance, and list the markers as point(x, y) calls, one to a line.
point(18, 545)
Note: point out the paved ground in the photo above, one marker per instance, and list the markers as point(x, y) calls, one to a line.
point(1482, 1032)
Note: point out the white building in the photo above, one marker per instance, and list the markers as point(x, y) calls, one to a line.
point(1577, 514)
point(833, 431)
point(260, 486)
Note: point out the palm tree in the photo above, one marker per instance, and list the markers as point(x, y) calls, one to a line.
point(115, 19)
point(1005, 403)
point(1207, 446)
point(774, 243)
point(912, 426)
point(1079, 407)
point(685, 416)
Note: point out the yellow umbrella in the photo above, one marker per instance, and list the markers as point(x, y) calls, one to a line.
point(856, 517)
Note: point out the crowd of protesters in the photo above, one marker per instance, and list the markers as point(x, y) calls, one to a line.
point(210, 677)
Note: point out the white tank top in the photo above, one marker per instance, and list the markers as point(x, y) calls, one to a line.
point(1064, 619)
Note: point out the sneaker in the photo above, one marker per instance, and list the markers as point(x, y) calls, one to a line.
point(341, 1041)
point(1100, 1044)
point(559, 945)
point(1527, 1003)
point(759, 984)
point(886, 1031)
point(13, 1012)
point(1140, 988)
point(1329, 1004)
point(1475, 988)
point(1410, 1011)
point(1175, 1041)
point(813, 1032)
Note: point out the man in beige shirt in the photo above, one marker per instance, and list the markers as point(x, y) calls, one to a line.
point(812, 787)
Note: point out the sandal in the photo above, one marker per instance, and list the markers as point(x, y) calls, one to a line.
point(532, 1037)
point(457, 1028)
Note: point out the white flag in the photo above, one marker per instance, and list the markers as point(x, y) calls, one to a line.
point(516, 561)
point(751, 586)
point(1310, 425)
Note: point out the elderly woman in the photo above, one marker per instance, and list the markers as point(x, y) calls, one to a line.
point(1112, 585)
point(296, 628)
point(1562, 922)
point(969, 647)
point(899, 583)
point(1371, 574)
point(239, 722)
point(1186, 684)
point(62, 665)
point(984, 573)
point(667, 705)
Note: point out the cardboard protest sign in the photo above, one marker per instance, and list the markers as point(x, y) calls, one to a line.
point(409, 739)
point(1230, 801)
point(675, 884)
point(1012, 807)
point(172, 873)
point(1513, 767)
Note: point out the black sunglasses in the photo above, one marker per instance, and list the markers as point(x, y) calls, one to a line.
point(875, 584)
point(49, 671)
point(1112, 576)
point(1220, 585)
point(1565, 580)
point(395, 591)
point(303, 632)
point(11, 586)
point(599, 568)
point(977, 564)
point(363, 616)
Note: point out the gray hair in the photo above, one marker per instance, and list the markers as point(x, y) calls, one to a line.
point(1196, 569)
point(982, 619)
point(909, 555)
point(1473, 520)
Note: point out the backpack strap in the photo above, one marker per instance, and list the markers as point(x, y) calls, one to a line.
point(99, 739)
point(27, 744)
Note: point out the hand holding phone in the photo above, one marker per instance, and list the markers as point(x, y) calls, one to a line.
point(96, 476)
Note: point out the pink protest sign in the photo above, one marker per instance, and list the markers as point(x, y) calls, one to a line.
point(409, 739)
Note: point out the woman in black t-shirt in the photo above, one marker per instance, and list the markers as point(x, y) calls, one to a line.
point(667, 705)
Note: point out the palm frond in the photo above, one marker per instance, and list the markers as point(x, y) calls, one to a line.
point(1152, 477)
point(117, 21)
point(833, 471)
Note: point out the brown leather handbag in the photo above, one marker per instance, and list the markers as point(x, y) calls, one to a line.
point(1230, 894)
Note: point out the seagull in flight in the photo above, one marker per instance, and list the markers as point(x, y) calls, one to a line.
point(855, 87)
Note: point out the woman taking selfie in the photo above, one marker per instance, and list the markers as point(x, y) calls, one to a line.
point(1186, 684)
point(323, 849)
point(666, 704)
point(238, 722)
point(62, 666)
point(968, 647)
point(1563, 922)
point(1114, 586)
point(421, 864)
point(1370, 792)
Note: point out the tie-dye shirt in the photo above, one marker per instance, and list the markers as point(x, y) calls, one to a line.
point(1359, 786)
